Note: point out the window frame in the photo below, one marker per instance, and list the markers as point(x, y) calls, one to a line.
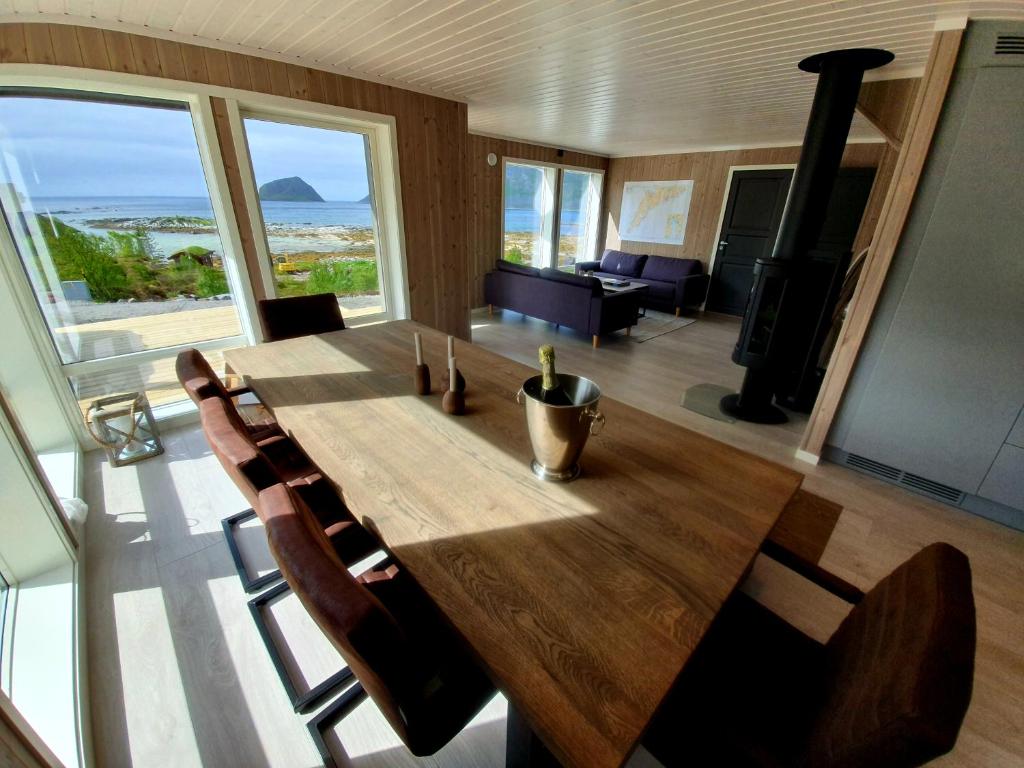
point(390, 254)
point(556, 224)
point(198, 98)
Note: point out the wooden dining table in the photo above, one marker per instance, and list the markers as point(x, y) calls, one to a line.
point(581, 600)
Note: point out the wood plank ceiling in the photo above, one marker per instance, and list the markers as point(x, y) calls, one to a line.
point(617, 77)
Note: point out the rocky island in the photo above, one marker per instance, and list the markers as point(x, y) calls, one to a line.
point(292, 190)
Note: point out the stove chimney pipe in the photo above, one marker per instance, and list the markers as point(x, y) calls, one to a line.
point(774, 308)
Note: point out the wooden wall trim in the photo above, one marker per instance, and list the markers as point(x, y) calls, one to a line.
point(20, 746)
point(923, 120)
point(229, 157)
point(432, 138)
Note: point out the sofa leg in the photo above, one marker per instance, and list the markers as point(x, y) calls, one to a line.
point(678, 311)
point(629, 329)
point(597, 341)
point(490, 310)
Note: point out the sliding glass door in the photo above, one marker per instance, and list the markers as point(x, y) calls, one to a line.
point(579, 217)
point(107, 203)
point(529, 213)
point(316, 197)
point(551, 215)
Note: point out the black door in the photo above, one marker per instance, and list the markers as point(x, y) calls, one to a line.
point(753, 213)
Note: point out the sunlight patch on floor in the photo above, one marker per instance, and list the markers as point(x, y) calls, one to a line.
point(153, 690)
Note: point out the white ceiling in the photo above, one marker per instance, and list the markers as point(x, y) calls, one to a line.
point(617, 77)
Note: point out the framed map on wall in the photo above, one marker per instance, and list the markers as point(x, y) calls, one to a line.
point(655, 211)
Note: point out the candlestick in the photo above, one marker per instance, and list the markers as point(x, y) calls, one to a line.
point(419, 347)
point(454, 401)
point(451, 347)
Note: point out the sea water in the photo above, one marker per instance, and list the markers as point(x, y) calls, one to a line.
point(292, 227)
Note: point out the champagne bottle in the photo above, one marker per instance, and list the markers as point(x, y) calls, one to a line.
point(551, 390)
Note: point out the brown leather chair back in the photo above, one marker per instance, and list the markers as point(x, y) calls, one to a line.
point(300, 316)
point(366, 634)
point(900, 667)
point(197, 377)
point(244, 462)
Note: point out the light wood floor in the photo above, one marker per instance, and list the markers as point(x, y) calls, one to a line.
point(179, 676)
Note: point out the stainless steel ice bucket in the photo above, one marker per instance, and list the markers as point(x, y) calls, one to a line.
point(559, 432)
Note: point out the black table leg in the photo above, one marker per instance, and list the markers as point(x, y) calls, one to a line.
point(523, 748)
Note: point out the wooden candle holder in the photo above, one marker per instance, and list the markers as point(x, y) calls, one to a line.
point(421, 379)
point(455, 382)
point(460, 382)
point(454, 402)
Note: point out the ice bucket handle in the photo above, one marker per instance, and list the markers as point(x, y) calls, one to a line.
point(519, 396)
point(596, 419)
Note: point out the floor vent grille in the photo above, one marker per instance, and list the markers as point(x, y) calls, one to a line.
point(872, 466)
point(931, 488)
point(1010, 45)
point(908, 480)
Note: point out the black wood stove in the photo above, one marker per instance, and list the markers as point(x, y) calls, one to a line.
point(777, 329)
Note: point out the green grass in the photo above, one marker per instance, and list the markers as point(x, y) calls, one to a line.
point(342, 278)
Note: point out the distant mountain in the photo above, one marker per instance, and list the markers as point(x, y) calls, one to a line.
point(364, 200)
point(292, 190)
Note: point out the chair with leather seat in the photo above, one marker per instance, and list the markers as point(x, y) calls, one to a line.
point(254, 466)
point(890, 688)
point(297, 316)
point(403, 653)
point(250, 469)
point(200, 381)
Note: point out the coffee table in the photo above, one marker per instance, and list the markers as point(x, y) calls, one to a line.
point(632, 285)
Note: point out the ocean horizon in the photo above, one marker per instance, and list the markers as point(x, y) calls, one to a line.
point(292, 227)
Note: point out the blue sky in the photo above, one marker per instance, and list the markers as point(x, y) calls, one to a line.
point(67, 148)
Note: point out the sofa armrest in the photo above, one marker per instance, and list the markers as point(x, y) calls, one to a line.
point(691, 290)
point(613, 311)
point(587, 266)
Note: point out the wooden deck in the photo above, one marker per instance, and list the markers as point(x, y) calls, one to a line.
point(109, 338)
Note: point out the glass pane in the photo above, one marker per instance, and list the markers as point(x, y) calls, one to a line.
point(317, 204)
point(112, 219)
point(578, 217)
point(529, 214)
point(156, 378)
point(3, 613)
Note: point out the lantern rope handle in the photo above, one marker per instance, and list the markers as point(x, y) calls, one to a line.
point(100, 440)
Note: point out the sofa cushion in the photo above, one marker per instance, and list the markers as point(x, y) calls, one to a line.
point(622, 263)
point(669, 269)
point(519, 269)
point(567, 277)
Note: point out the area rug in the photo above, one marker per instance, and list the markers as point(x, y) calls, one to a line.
point(704, 399)
point(656, 324)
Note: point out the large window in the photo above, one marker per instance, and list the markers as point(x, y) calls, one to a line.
point(316, 197)
point(107, 202)
point(551, 214)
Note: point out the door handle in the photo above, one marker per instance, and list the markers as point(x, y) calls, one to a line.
point(722, 243)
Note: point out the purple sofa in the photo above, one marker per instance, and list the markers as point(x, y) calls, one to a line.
point(575, 301)
point(673, 284)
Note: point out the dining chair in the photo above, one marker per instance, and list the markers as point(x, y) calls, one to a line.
point(200, 381)
point(255, 465)
point(251, 470)
point(403, 653)
point(300, 316)
point(889, 689)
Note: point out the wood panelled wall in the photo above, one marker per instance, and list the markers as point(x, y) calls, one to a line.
point(484, 221)
point(710, 170)
point(432, 138)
